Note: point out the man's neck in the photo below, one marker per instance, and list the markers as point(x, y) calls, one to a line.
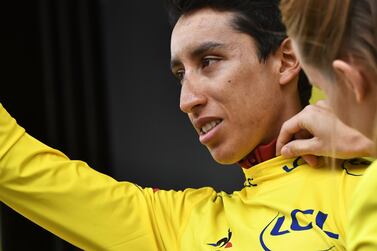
point(264, 152)
point(260, 154)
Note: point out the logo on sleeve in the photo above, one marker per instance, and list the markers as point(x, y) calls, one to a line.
point(223, 243)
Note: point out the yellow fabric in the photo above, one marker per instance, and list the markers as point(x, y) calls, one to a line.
point(363, 213)
point(317, 95)
point(285, 205)
point(371, 159)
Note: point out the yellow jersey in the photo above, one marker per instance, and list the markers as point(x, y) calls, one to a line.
point(363, 214)
point(284, 205)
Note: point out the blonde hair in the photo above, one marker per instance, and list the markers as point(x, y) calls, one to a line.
point(326, 30)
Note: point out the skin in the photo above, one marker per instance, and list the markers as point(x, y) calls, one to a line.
point(330, 138)
point(223, 80)
point(348, 121)
point(352, 96)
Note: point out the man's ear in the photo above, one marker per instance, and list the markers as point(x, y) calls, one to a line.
point(351, 77)
point(290, 65)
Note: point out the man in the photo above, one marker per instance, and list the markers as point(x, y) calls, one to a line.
point(239, 81)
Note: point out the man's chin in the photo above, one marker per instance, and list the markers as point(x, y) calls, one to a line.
point(223, 158)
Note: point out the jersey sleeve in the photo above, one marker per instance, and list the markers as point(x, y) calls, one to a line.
point(88, 209)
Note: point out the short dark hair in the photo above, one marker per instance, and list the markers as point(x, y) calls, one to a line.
point(261, 19)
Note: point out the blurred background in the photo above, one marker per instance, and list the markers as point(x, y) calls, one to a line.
point(92, 78)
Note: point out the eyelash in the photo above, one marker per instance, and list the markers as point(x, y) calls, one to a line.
point(208, 61)
point(205, 62)
point(180, 74)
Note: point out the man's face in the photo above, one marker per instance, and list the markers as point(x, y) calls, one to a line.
point(232, 99)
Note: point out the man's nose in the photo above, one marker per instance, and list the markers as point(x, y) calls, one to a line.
point(192, 97)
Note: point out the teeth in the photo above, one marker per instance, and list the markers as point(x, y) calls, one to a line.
point(209, 126)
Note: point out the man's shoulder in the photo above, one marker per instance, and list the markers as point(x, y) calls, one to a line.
point(369, 180)
point(352, 167)
point(355, 167)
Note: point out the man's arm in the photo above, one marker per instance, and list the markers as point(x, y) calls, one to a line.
point(84, 207)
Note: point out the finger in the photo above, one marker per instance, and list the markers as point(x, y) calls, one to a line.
point(303, 134)
point(312, 160)
point(288, 130)
point(300, 147)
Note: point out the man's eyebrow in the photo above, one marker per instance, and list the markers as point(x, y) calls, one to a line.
point(205, 47)
point(198, 51)
point(174, 63)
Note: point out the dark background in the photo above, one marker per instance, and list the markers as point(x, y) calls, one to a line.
point(91, 78)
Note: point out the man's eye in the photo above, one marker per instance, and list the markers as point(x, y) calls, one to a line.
point(208, 61)
point(180, 75)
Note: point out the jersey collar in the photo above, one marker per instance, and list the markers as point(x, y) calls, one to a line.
point(260, 154)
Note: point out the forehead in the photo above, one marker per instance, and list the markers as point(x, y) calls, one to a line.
point(204, 26)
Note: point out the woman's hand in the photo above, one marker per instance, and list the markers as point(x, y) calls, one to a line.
point(316, 131)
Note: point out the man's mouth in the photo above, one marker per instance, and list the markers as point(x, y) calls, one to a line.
point(209, 126)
